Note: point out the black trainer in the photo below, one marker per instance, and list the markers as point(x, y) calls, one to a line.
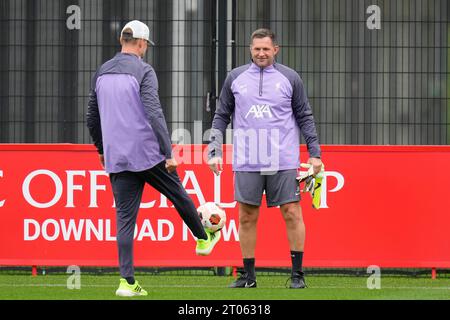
point(244, 282)
point(297, 281)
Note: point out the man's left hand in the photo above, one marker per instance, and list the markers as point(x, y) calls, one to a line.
point(316, 163)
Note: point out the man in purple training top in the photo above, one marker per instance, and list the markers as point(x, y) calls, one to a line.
point(127, 125)
point(269, 108)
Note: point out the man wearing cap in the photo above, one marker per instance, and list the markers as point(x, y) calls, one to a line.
point(128, 128)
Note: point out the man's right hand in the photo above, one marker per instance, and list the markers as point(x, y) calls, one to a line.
point(171, 165)
point(215, 164)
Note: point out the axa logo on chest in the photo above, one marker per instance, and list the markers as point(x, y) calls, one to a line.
point(258, 111)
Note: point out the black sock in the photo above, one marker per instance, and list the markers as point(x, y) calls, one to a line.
point(249, 267)
point(130, 280)
point(297, 260)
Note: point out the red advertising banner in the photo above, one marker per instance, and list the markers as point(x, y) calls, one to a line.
point(381, 205)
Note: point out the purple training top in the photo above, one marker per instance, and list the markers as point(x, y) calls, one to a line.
point(269, 109)
point(125, 117)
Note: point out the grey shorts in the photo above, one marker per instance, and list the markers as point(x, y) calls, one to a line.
point(280, 188)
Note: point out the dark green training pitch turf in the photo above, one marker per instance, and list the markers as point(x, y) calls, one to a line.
point(160, 287)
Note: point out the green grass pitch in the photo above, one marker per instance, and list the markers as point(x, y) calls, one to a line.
point(182, 287)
